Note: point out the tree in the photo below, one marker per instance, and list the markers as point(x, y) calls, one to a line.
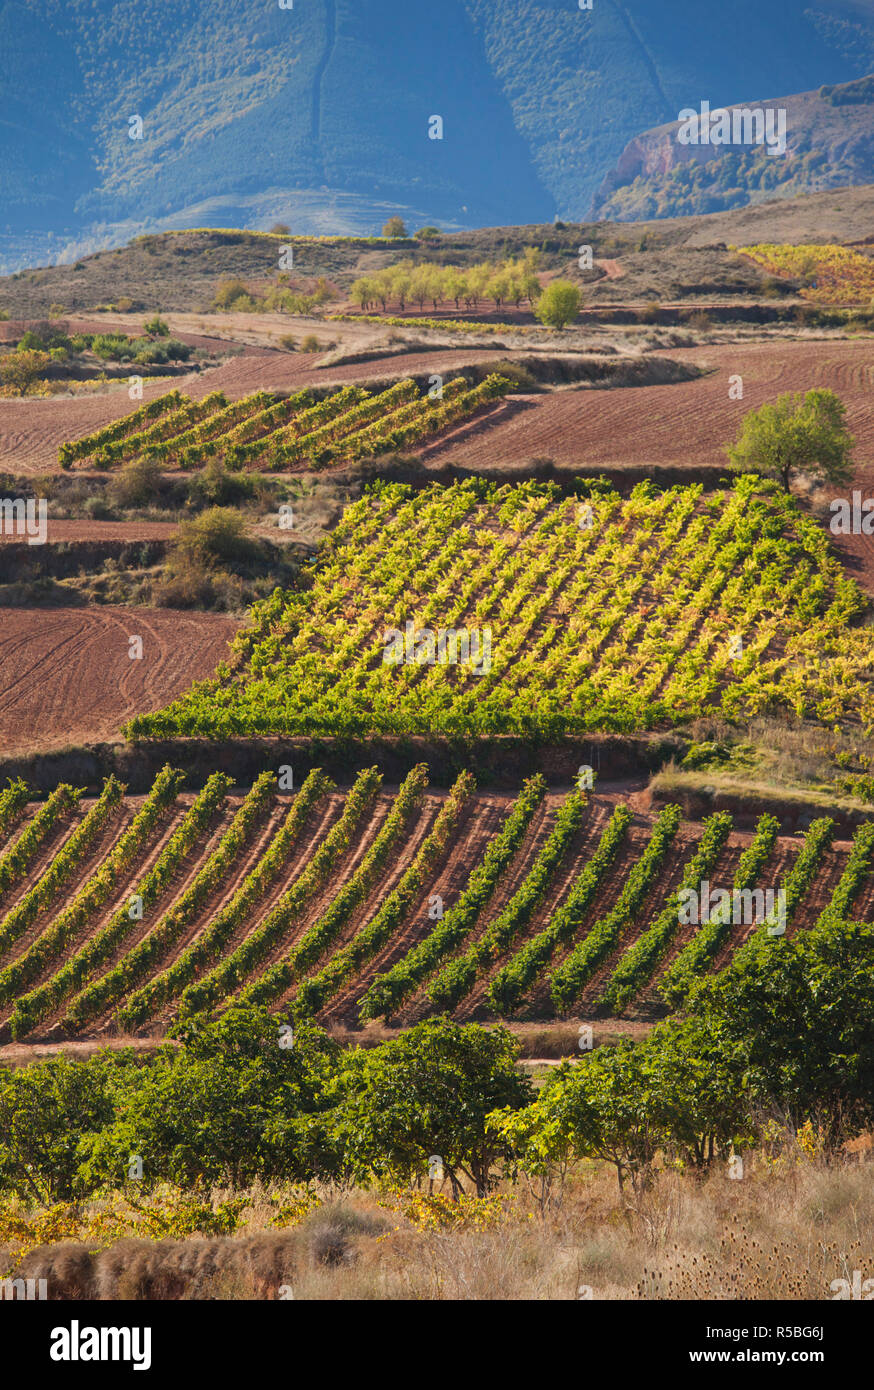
point(801, 1009)
point(427, 233)
point(157, 327)
point(46, 1113)
point(800, 432)
point(22, 369)
point(427, 1095)
point(395, 227)
point(280, 229)
point(559, 304)
point(231, 1105)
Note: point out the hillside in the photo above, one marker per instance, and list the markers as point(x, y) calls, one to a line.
point(319, 114)
point(182, 270)
point(325, 900)
point(829, 144)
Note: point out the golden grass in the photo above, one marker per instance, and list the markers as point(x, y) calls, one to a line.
point(787, 1229)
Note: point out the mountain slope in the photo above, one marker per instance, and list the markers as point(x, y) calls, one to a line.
point(829, 144)
point(319, 114)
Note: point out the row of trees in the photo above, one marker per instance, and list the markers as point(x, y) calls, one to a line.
point(785, 1032)
point(505, 282)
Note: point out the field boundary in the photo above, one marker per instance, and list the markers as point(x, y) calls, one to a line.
point(498, 763)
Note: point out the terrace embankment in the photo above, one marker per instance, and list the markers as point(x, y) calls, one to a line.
point(496, 762)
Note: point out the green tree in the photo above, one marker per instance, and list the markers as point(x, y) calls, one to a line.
point(157, 327)
point(23, 369)
point(428, 1094)
point(231, 1105)
point(799, 433)
point(559, 304)
point(49, 1112)
point(801, 1011)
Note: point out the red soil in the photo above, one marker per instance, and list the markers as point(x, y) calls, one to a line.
point(66, 676)
point(685, 423)
point(60, 530)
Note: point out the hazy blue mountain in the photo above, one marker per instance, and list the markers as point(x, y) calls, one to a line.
point(319, 114)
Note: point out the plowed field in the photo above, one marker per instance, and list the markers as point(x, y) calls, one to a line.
point(66, 676)
point(683, 423)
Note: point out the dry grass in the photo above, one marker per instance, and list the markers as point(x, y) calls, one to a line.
point(790, 1227)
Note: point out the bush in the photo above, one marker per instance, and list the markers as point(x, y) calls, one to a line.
point(280, 229)
point(137, 484)
point(156, 327)
point(21, 370)
point(217, 534)
point(111, 346)
point(44, 335)
point(289, 342)
point(233, 294)
point(148, 352)
point(310, 344)
point(217, 485)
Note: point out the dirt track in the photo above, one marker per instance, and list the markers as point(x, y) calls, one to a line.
point(66, 676)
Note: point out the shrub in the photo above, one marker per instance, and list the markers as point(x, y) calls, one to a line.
point(310, 344)
point(137, 484)
point(217, 534)
point(156, 327)
point(22, 370)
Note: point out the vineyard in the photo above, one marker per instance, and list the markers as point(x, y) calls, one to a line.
point(269, 432)
point(483, 610)
point(829, 274)
point(124, 914)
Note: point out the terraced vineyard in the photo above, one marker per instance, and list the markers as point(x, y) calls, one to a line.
point(125, 914)
point(483, 610)
point(270, 432)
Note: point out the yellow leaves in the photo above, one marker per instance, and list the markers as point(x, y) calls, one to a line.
point(834, 274)
point(436, 1211)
